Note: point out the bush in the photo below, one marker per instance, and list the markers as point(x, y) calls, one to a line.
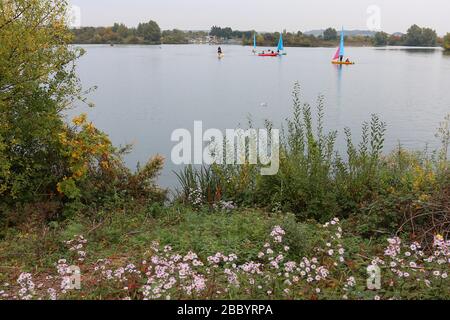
point(447, 42)
point(42, 158)
point(33, 96)
point(316, 182)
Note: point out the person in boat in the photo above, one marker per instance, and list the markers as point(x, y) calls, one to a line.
point(347, 61)
point(219, 51)
point(341, 58)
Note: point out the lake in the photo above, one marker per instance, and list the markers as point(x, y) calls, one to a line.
point(146, 92)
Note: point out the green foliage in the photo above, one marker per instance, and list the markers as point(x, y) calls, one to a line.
point(126, 237)
point(316, 182)
point(290, 40)
point(299, 39)
point(174, 36)
point(447, 42)
point(121, 34)
point(145, 33)
point(150, 32)
point(395, 40)
point(303, 182)
point(223, 33)
point(37, 83)
point(206, 234)
point(42, 157)
point(330, 34)
point(380, 39)
point(133, 229)
point(417, 36)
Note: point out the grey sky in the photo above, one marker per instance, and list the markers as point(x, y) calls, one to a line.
point(267, 15)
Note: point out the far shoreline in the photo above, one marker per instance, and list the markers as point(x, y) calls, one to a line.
point(262, 47)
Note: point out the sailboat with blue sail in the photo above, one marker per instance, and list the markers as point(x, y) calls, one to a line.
point(280, 48)
point(254, 43)
point(271, 53)
point(339, 55)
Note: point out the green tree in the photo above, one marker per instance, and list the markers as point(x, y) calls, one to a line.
point(42, 156)
point(380, 39)
point(37, 83)
point(447, 42)
point(122, 30)
point(174, 36)
point(417, 36)
point(150, 32)
point(429, 37)
point(330, 34)
point(413, 36)
point(224, 33)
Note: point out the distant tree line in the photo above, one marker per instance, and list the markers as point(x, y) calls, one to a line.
point(145, 33)
point(290, 39)
point(228, 33)
point(150, 33)
point(414, 37)
point(329, 38)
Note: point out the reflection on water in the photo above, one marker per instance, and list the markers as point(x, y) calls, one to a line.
point(145, 92)
point(339, 84)
point(414, 50)
point(411, 49)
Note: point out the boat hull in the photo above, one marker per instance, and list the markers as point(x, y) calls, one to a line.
point(268, 55)
point(342, 63)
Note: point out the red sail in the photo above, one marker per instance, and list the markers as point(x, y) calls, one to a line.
point(336, 56)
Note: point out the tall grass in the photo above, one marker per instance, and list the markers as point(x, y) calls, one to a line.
point(315, 181)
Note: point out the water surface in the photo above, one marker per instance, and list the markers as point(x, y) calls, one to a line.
point(146, 92)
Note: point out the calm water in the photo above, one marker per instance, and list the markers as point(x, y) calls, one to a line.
point(145, 92)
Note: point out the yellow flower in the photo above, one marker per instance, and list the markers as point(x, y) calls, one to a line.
point(105, 164)
point(58, 187)
point(78, 174)
point(75, 155)
point(81, 119)
point(90, 127)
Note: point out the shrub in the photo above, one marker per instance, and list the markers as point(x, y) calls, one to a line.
point(43, 158)
point(33, 96)
point(316, 182)
point(447, 42)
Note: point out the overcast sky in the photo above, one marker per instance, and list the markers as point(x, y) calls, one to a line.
point(268, 15)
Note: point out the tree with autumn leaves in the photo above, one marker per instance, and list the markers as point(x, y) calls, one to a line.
point(41, 156)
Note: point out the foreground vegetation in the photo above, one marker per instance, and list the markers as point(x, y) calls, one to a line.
point(176, 253)
point(308, 232)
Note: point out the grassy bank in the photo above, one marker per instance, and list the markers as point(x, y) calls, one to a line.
point(174, 252)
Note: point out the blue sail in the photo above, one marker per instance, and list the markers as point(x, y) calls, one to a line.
point(342, 48)
point(280, 43)
point(254, 40)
